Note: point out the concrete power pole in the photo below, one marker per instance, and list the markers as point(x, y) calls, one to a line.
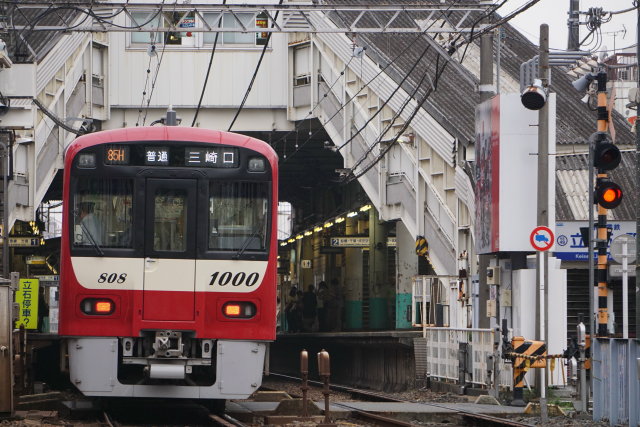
point(543, 211)
point(573, 41)
point(638, 181)
point(486, 91)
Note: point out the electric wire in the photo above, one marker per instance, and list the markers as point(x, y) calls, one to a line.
point(350, 177)
point(434, 86)
point(381, 155)
point(386, 101)
point(146, 84)
point(298, 125)
point(398, 87)
point(380, 72)
point(153, 83)
point(498, 23)
point(206, 78)
point(155, 77)
point(390, 125)
point(255, 73)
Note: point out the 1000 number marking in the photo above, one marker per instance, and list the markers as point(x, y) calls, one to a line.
point(238, 279)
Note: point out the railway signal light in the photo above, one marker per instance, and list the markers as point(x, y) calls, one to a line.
point(608, 194)
point(606, 157)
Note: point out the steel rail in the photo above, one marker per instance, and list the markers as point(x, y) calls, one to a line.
point(492, 420)
point(225, 421)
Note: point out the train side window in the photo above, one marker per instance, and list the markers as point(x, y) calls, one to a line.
point(102, 213)
point(170, 220)
point(238, 216)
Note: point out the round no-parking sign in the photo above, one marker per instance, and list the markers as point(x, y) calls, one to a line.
point(541, 238)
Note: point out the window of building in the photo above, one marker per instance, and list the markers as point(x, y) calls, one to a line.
point(236, 20)
point(179, 20)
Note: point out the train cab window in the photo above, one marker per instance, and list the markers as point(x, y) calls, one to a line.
point(238, 216)
point(170, 220)
point(102, 214)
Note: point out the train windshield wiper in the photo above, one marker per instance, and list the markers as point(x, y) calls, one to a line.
point(256, 233)
point(92, 240)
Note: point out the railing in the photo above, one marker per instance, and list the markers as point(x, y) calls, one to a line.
point(443, 356)
point(450, 354)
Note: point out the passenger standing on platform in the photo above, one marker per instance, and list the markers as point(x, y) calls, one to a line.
point(324, 302)
point(290, 310)
point(336, 305)
point(309, 309)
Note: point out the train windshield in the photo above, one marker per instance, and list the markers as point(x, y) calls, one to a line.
point(102, 213)
point(238, 216)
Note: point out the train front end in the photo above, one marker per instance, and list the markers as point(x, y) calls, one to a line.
point(168, 262)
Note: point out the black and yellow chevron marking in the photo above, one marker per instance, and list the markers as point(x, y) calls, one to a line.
point(527, 354)
point(422, 247)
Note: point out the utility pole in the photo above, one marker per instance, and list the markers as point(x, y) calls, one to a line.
point(5, 158)
point(542, 270)
point(486, 91)
point(638, 181)
point(573, 41)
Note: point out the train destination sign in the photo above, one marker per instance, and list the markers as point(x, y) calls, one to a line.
point(211, 157)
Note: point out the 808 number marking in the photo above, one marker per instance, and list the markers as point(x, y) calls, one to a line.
point(112, 278)
point(238, 279)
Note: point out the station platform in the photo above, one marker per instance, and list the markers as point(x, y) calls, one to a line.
point(376, 360)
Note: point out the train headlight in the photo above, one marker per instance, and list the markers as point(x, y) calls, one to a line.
point(87, 160)
point(239, 309)
point(256, 164)
point(97, 306)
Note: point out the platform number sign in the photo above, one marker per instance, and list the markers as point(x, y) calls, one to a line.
point(541, 238)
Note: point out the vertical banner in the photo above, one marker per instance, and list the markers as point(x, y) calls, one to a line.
point(506, 147)
point(487, 175)
point(27, 299)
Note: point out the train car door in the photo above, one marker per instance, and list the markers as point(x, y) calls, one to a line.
point(170, 249)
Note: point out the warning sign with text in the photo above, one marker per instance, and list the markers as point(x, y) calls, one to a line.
point(27, 300)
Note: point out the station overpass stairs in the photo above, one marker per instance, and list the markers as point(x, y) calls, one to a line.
point(418, 180)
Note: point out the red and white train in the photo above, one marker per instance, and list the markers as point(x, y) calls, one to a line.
point(168, 262)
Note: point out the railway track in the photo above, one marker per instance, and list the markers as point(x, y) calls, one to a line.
point(225, 421)
point(462, 416)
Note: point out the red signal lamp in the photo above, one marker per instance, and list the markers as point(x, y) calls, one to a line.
point(608, 195)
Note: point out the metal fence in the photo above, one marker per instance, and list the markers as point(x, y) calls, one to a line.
point(616, 381)
point(438, 356)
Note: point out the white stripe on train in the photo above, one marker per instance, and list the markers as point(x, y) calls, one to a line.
point(184, 275)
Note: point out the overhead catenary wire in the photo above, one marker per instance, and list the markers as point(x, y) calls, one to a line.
point(386, 101)
point(206, 78)
point(381, 155)
point(155, 77)
point(496, 24)
point(146, 84)
point(397, 115)
point(399, 85)
point(255, 73)
point(298, 125)
point(382, 70)
point(353, 176)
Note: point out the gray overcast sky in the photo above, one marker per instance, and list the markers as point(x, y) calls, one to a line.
point(554, 13)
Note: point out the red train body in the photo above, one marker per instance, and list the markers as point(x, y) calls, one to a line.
point(168, 262)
